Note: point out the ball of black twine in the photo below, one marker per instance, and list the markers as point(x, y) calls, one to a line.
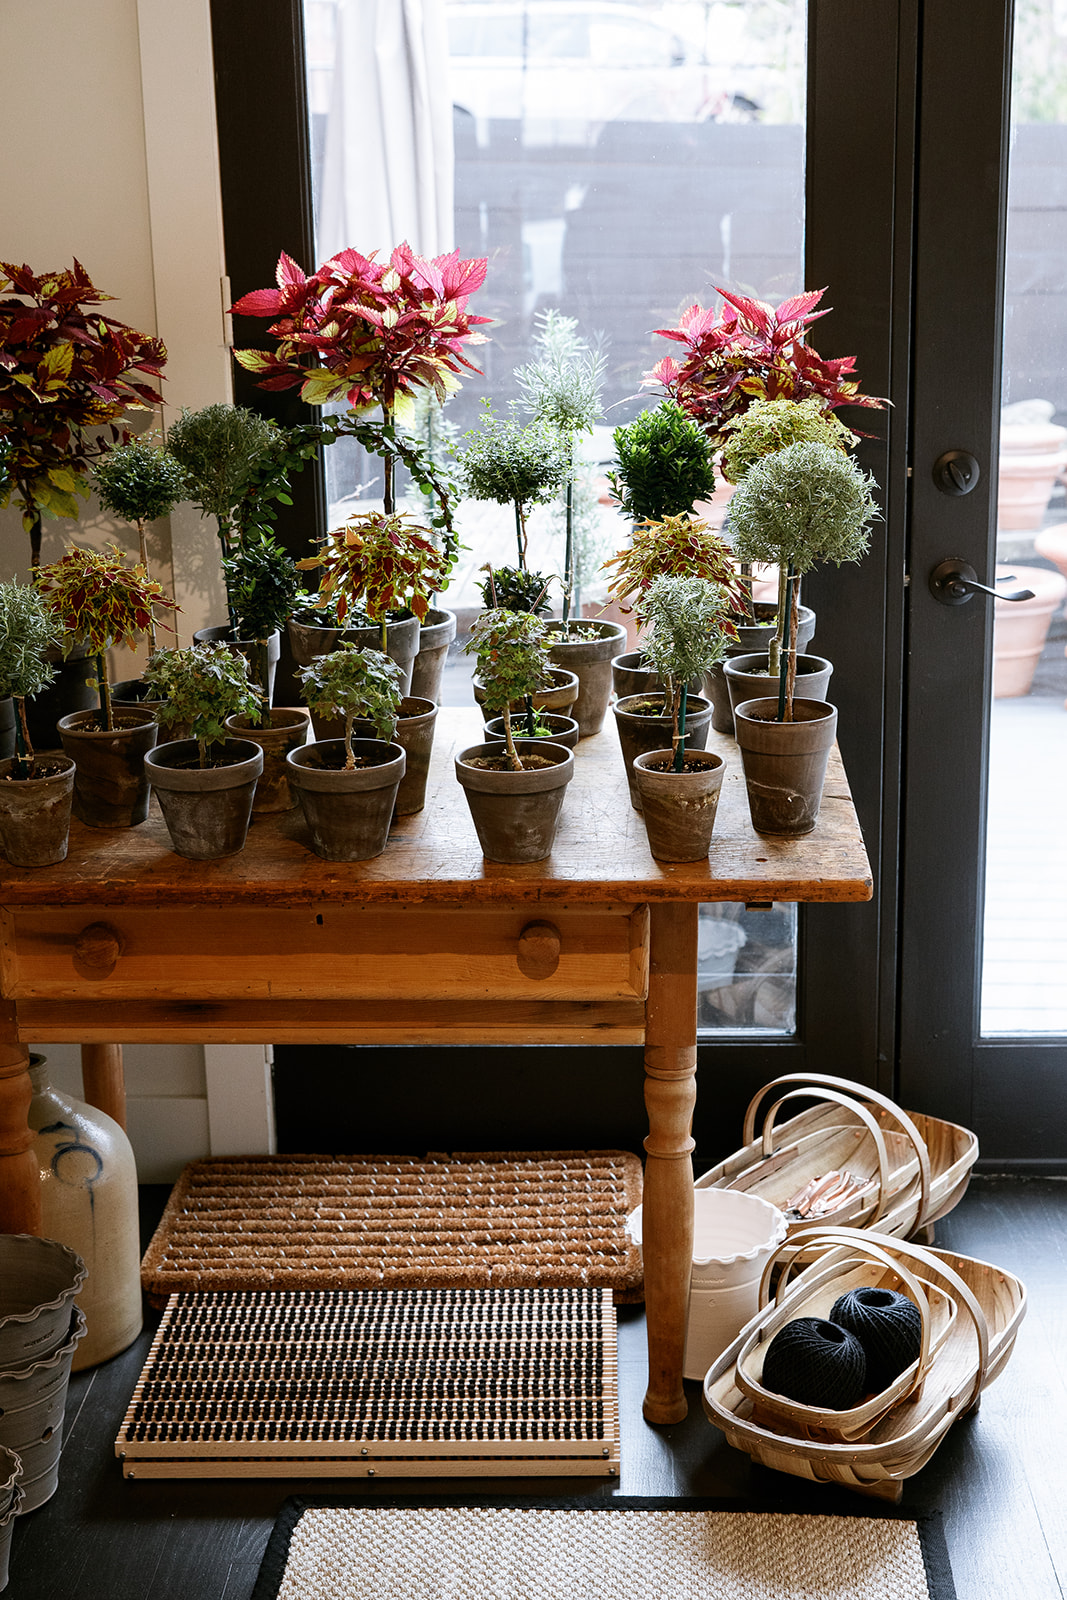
point(889, 1327)
point(816, 1362)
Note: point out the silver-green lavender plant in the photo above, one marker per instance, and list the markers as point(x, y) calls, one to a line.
point(28, 629)
point(688, 622)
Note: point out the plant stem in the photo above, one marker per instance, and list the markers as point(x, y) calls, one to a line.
point(568, 548)
point(679, 730)
point(350, 760)
point(520, 535)
point(259, 673)
point(794, 624)
point(201, 750)
point(530, 717)
point(785, 616)
point(143, 542)
point(105, 693)
point(22, 766)
point(746, 590)
point(509, 739)
point(774, 649)
point(388, 499)
point(35, 540)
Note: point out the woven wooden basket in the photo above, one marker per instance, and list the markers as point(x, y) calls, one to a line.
point(911, 1169)
point(971, 1313)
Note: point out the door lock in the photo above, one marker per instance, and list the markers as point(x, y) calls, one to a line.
point(954, 582)
point(956, 472)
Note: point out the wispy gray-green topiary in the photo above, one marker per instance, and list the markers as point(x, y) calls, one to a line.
point(770, 425)
point(28, 630)
point(514, 465)
point(663, 464)
point(688, 622)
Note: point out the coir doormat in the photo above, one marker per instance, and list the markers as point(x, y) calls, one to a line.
point(628, 1549)
point(370, 1383)
point(463, 1221)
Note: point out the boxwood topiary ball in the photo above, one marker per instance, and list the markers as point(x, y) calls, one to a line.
point(889, 1327)
point(816, 1362)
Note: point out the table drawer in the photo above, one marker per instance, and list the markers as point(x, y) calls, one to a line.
point(349, 952)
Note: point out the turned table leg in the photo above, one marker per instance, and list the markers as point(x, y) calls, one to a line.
point(20, 1177)
point(103, 1080)
point(670, 1094)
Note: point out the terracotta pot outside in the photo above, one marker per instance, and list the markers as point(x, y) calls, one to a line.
point(435, 639)
point(206, 809)
point(785, 763)
point(744, 680)
point(1020, 628)
point(414, 734)
point(589, 658)
point(516, 814)
point(246, 648)
point(562, 730)
point(679, 807)
point(288, 730)
point(1032, 456)
point(640, 733)
point(347, 813)
point(111, 786)
point(35, 815)
point(559, 695)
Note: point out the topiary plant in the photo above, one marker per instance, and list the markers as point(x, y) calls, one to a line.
point(353, 683)
point(262, 583)
point(663, 464)
point(688, 622)
point(140, 484)
point(28, 630)
point(770, 425)
point(512, 664)
point(794, 508)
point(514, 465)
point(201, 687)
point(100, 601)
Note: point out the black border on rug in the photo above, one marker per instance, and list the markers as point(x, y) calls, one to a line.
point(939, 1580)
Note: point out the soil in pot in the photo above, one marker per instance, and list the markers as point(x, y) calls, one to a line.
point(785, 763)
point(206, 809)
point(347, 810)
point(644, 725)
point(414, 734)
point(747, 678)
point(288, 730)
point(679, 808)
point(515, 814)
point(435, 640)
point(35, 812)
point(111, 787)
point(587, 650)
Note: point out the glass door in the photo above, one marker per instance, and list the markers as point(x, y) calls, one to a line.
point(984, 973)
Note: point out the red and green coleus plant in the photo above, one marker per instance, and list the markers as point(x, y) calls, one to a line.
point(751, 351)
point(101, 601)
point(199, 688)
point(513, 664)
point(374, 334)
point(28, 632)
point(378, 562)
point(66, 372)
point(675, 547)
point(352, 683)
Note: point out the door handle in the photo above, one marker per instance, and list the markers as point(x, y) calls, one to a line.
point(954, 582)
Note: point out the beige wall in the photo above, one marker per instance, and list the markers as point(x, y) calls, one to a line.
point(108, 153)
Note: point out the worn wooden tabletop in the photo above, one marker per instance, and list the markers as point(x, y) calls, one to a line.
point(601, 852)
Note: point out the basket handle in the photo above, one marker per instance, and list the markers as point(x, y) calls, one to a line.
point(856, 1092)
point(855, 1242)
point(865, 1116)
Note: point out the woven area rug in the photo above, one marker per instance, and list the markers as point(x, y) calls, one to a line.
point(628, 1550)
point(492, 1220)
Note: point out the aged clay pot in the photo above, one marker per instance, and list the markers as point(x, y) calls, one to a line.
point(640, 732)
point(111, 786)
point(288, 730)
point(745, 680)
point(414, 734)
point(785, 763)
point(516, 814)
point(559, 694)
point(35, 814)
point(403, 641)
point(246, 648)
point(206, 809)
point(589, 656)
point(435, 638)
point(347, 813)
point(679, 807)
point(561, 730)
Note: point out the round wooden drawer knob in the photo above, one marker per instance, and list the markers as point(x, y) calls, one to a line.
point(539, 946)
point(98, 947)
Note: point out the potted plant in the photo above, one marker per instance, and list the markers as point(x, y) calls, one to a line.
point(347, 787)
point(794, 508)
point(100, 601)
point(35, 796)
point(688, 622)
point(514, 791)
point(513, 464)
point(518, 589)
point(663, 464)
point(204, 783)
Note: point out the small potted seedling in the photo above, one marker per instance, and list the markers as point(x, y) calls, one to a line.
point(347, 787)
point(796, 507)
point(514, 790)
point(518, 589)
point(204, 783)
point(101, 600)
point(35, 795)
point(688, 623)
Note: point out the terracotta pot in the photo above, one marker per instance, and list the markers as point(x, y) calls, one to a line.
point(347, 813)
point(1032, 455)
point(589, 657)
point(68, 692)
point(288, 730)
point(785, 763)
point(559, 695)
point(435, 639)
point(516, 814)
point(206, 809)
point(758, 635)
point(111, 786)
point(247, 648)
point(403, 642)
point(561, 730)
point(414, 734)
point(1020, 628)
point(641, 732)
point(745, 680)
point(679, 807)
point(632, 674)
point(35, 814)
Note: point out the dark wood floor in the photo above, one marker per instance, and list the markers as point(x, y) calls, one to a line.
point(999, 1478)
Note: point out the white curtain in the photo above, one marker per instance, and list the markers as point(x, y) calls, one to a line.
point(388, 160)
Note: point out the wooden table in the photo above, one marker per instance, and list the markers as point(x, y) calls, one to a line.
point(427, 944)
